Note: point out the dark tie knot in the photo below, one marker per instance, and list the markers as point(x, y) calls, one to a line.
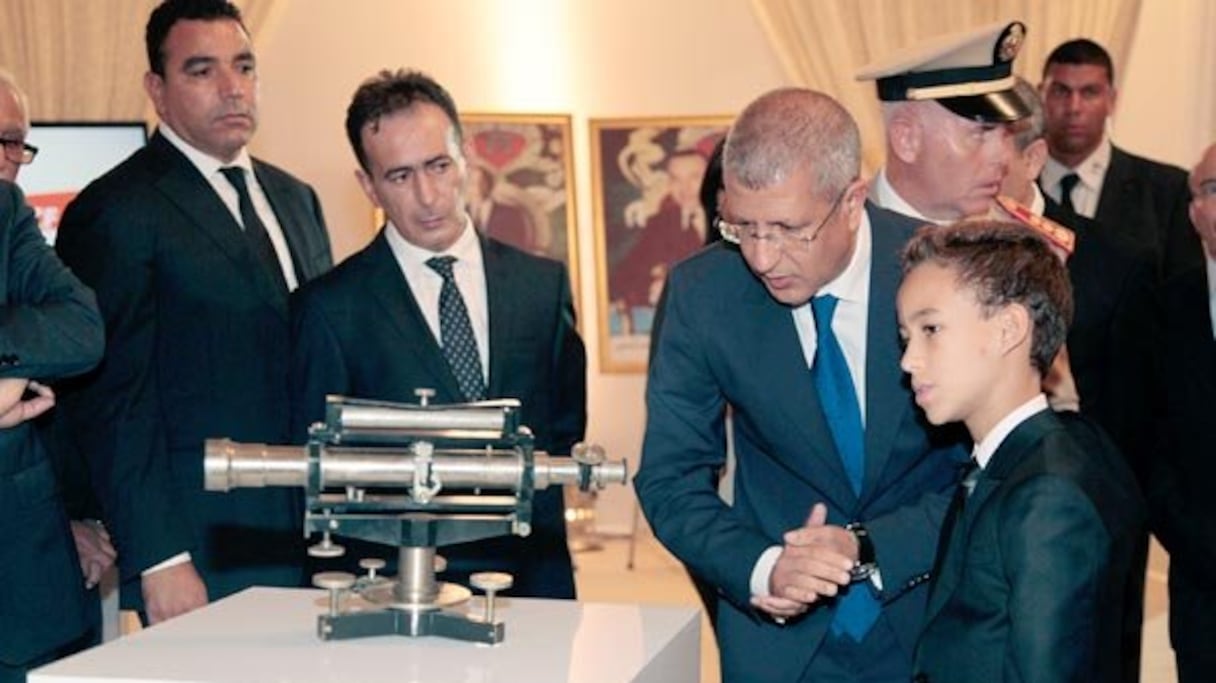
point(1068, 182)
point(442, 265)
point(235, 176)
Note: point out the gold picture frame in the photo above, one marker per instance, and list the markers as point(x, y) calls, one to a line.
point(646, 175)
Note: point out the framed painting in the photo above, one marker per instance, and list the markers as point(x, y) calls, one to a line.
point(646, 177)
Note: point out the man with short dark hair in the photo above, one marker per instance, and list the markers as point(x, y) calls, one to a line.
point(430, 304)
point(192, 247)
point(1039, 542)
point(1142, 199)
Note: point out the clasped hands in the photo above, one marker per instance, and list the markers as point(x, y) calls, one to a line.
point(814, 563)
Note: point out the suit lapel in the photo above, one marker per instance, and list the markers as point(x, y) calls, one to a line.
point(778, 370)
point(387, 286)
point(185, 187)
point(1116, 204)
point(1004, 462)
point(500, 300)
point(886, 396)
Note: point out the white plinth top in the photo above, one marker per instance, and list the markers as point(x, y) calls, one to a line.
point(269, 634)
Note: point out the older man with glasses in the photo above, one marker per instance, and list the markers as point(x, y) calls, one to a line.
point(839, 490)
point(51, 328)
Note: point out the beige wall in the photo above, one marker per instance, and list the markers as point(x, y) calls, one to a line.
point(617, 58)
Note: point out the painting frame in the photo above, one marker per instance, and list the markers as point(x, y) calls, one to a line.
point(645, 209)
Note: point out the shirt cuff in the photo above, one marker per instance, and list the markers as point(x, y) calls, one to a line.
point(763, 571)
point(180, 558)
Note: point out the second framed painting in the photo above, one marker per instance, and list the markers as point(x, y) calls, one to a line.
point(646, 175)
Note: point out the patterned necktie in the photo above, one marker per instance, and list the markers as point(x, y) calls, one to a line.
point(255, 231)
point(856, 609)
point(1067, 183)
point(456, 332)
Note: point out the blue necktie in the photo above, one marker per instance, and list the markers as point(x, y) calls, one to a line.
point(456, 332)
point(856, 609)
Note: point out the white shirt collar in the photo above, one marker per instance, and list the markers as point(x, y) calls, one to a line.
point(466, 249)
point(205, 163)
point(1212, 292)
point(884, 195)
point(1037, 203)
point(986, 448)
point(853, 282)
point(1091, 171)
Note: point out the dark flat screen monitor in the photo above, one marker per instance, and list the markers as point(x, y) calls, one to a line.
point(70, 156)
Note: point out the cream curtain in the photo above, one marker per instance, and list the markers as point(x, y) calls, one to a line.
point(822, 43)
point(84, 60)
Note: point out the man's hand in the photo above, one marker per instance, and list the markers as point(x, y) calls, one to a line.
point(814, 563)
point(94, 548)
point(172, 591)
point(14, 409)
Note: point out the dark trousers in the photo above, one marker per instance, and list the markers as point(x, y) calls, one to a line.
point(16, 674)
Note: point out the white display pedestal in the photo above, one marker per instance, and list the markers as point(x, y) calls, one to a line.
point(269, 634)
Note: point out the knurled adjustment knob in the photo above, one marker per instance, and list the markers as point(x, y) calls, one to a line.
point(335, 583)
point(326, 548)
point(371, 565)
point(491, 583)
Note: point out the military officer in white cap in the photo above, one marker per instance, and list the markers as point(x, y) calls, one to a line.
point(946, 105)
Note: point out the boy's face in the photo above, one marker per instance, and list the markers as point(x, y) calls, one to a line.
point(952, 350)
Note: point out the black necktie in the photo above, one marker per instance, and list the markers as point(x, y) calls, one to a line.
point(254, 230)
point(1066, 184)
point(456, 332)
point(966, 485)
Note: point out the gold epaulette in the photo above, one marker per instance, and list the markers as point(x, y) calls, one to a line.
point(1050, 230)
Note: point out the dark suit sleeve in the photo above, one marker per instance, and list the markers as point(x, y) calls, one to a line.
point(1054, 548)
point(317, 366)
point(569, 374)
point(49, 323)
point(115, 414)
point(1134, 336)
point(683, 450)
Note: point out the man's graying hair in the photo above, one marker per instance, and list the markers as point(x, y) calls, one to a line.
point(790, 129)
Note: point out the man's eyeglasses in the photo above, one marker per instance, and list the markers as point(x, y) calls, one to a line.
point(783, 236)
point(18, 151)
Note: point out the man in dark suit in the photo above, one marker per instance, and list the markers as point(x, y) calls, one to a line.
point(51, 329)
point(431, 305)
point(1142, 199)
point(1181, 501)
point(192, 247)
point(1107, 365)
point(1030, 580)
point(792, 326)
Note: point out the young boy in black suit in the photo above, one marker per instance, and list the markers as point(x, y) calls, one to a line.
point(1036, 547)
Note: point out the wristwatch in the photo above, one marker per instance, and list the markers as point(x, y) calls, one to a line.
point(867, 561)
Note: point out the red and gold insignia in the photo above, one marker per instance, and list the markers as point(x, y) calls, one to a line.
point(1057, 235)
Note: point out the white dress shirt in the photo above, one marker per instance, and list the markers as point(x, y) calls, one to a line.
point(884, 195)
point(850, 323)
point(986, 448)
point(470, 273)
point(1092, 174)
point(210, 167)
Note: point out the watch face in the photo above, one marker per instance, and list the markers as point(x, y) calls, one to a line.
point(861, 571)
